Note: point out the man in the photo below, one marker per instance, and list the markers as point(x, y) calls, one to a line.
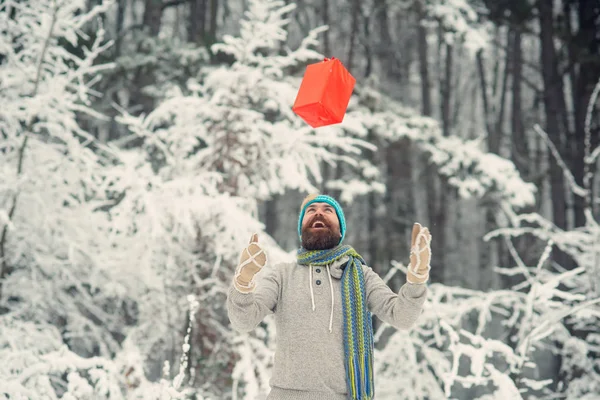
point(323, 304)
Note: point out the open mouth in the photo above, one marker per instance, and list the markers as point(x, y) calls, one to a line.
point(318, 225)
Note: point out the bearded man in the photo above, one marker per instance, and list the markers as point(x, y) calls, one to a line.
point(322, 305)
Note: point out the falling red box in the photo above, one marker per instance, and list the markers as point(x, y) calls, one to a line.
point(324, 93)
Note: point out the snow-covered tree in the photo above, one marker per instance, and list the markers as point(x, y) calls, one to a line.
point(459, 20)
point(60, 304)
point(68, 298)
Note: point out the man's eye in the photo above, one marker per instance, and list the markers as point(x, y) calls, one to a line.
point(329, 210)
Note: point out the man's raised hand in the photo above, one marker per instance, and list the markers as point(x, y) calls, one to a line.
point(252, 260)
point(420, 255)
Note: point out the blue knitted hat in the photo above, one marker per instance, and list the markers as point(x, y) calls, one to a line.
point(321, 198)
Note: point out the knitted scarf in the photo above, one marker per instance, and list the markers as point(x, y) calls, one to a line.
point(358, 328)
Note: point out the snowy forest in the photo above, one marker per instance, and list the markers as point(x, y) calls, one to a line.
point(142, 142)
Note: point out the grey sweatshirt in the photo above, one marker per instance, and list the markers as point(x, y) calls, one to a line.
point(307, 303)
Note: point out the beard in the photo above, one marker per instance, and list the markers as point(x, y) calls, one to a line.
point(320, 239)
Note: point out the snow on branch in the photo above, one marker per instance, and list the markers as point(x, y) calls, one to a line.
point(263, 30)
point(576, 189)
point(459, 20)
point(471, 170)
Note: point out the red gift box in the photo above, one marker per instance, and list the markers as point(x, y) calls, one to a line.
point(324, 93)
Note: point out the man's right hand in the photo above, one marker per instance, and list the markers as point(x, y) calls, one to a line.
point(420, 255)
point(252, 260)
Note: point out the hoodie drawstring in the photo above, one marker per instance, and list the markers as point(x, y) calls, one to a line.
point(312, 294)
point(330, 287)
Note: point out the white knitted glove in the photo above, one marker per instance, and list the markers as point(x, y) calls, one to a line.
point(252, 260)
point(420, 255)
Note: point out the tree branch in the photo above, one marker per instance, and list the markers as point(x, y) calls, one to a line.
point(589, 161)
point(576, 189)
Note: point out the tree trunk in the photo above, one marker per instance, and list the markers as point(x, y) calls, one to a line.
point(326, 35)
point(211, 35)
point(386, 54)
point(271, 216)
point(121, 7)
point(504, 257)
point(445, 192)
point(367, 46)
point(113, 131)
point(353, 32)
point(145, 75)
point(519, 145)
point(553, 94)
point(491, 250)
point(424, 210)
point(519, 142)
point(197, 21)
point(493, 142)
point(445, 88)
point(426, 107)
point(398, 200)
point(499, 128)
point(152, 16)
point(373, 232)
point(432, 181)
point(589, 73)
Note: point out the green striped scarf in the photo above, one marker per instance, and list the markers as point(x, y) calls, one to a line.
point(358, 328)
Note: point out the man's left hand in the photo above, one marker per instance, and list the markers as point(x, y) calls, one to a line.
point(420, 255)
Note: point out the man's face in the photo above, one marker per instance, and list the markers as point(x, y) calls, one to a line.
point(320, 227)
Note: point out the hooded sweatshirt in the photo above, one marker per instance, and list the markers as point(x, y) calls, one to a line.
point(306, 303)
